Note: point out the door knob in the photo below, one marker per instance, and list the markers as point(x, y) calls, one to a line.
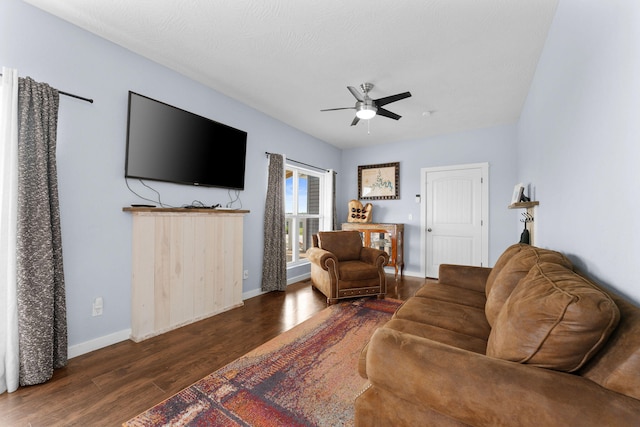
point(429, 230)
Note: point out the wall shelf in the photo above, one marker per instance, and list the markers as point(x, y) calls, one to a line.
point(523, 205)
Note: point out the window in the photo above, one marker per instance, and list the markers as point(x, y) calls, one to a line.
point(306, 202)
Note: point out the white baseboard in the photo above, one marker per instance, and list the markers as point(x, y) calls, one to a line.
point(392, 270)
point(291, 280)
point(410, 273)
point(299, 278)
point(251, 294)
point(98, 343)
point(116, 337)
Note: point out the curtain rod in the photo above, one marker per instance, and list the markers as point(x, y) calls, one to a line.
point(89, 100)
point(82, 98)
point(300, 163)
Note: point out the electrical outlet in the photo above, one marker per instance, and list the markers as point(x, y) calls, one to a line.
point(245, 274)
point(97, 307)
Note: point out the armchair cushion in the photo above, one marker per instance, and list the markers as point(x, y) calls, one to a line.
point(554, 319)
point(345, 245)
point(357, 270)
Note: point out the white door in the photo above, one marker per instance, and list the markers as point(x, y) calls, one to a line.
point(455, 216)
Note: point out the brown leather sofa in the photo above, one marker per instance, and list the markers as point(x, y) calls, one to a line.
point(530, 342)
point(342, 268)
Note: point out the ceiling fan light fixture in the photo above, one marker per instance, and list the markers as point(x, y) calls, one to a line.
point(366, 112)
point(367, 108)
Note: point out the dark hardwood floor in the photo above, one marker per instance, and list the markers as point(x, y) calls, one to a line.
point(111, 385)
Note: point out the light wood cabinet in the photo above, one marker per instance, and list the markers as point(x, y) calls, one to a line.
point(387, 237)
point(186, 266)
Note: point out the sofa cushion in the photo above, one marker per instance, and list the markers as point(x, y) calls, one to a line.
point(501, 262)
point(454, 317)
point(554, 319)
point(345, 245)
point(449, 293)
point(516, 268)
point(434, 333)
point(444, 336)
point(617, 364)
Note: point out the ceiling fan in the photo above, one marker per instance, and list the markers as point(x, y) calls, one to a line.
point(366, 108)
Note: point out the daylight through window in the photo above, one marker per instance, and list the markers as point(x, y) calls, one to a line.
point(304, 208)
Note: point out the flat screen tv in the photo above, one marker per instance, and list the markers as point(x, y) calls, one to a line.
point(166, 143)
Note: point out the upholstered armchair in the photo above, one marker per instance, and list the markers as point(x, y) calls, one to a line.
point(342, 268)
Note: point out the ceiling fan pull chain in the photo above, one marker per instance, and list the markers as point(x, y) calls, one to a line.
point(368, 127)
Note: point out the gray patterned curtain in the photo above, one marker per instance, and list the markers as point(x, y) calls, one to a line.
point(274, 262)
point(42, 319)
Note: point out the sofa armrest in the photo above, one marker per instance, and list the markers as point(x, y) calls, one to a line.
point(483, 391)
point(321, 258)
point(464, 276)
point(374, 256)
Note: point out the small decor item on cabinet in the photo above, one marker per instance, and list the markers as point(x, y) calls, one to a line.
point(359, 213)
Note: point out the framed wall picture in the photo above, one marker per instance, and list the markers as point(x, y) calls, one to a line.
point(518, 190)
point(379, 182)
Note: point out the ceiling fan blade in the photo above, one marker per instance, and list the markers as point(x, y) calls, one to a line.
point(387, 113)
point(343, 108)
point(355, 121)
point(393, 98)
point(355, 92)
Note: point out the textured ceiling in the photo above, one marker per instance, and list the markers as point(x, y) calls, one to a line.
point(468, 62)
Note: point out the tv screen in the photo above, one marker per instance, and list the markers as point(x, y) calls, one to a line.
point(165, 143)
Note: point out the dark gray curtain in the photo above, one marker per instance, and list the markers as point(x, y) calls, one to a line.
point(274, 262)
point(42, 321)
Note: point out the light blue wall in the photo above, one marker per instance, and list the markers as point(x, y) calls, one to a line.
point(577, 144)
point(579, 139)
point(91, 155)
point(495, 146)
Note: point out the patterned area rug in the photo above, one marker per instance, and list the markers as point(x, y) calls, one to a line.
point(306, 376)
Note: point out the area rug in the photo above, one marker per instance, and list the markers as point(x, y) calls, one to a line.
point(306, 376)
